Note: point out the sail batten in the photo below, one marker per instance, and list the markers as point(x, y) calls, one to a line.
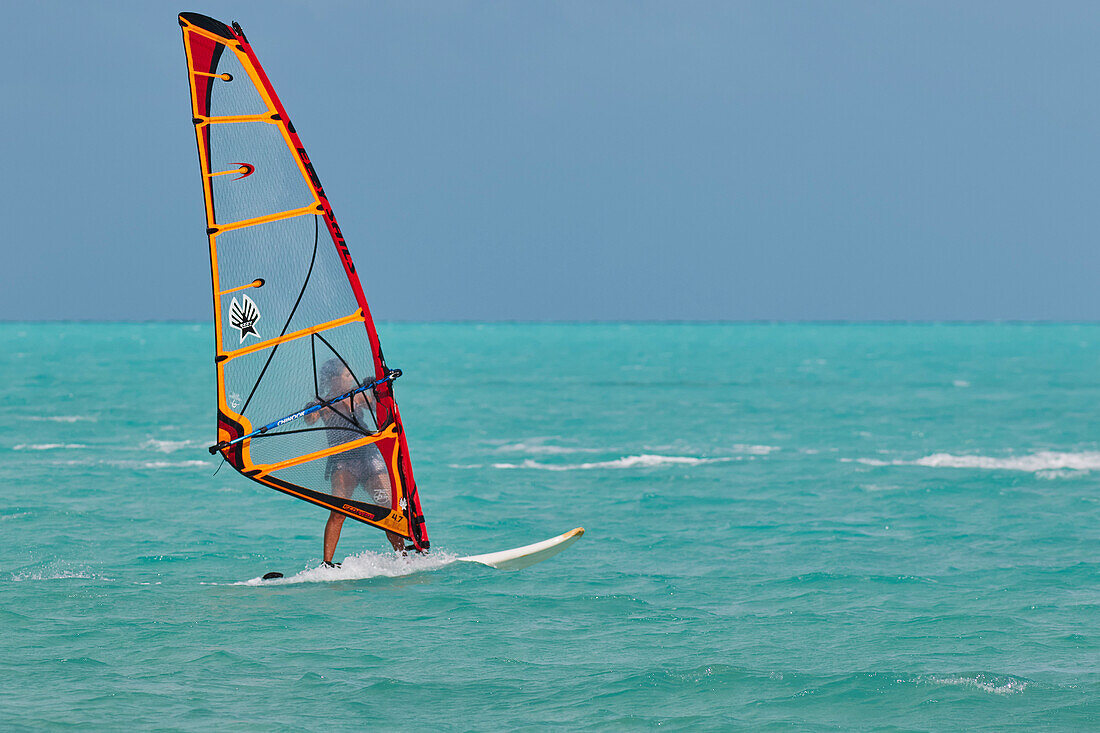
point(271, 343)
point(292, 324)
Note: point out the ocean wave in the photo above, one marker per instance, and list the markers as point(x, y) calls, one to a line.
point(544, 449)
point(56, 571)
point(134, 464)
point(361, 567)
point(167, 446)
point(995, 684)
point(538, 447)
point(59, 418)
point(642, 461)
point(1041, 461)
point(48, 446)
point(1057, 473)
point(1046, 462)
point(159, 464)
point(755, 450)
point(60, 575)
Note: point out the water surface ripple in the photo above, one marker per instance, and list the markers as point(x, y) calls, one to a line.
point(824, 527)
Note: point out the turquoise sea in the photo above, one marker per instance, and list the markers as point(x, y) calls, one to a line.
point(812, 527)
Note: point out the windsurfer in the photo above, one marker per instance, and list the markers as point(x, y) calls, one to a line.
point(362, 466)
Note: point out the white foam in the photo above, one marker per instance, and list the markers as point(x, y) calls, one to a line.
point(1058, 473)
point(167, 446)
point(642, 461)
point(63, 575)
point(134, 464)
point(755, 450)
point(59, 418)
point(1041, 461)
point(994, 685)
point(55, 573)
point(873, 462)
point(961, 383)
point(160, 464)
point(550, 450)
point(362, 566)
point(48, 446)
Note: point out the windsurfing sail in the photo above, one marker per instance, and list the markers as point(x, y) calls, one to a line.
point(305, 399)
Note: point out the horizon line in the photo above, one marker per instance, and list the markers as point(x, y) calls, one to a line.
point(611, 322)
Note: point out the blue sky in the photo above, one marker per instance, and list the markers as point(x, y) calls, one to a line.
point(584, 160)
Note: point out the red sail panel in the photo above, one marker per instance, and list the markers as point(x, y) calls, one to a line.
point(292, 323)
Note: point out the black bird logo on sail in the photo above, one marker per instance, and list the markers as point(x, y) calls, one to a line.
point(243, 317)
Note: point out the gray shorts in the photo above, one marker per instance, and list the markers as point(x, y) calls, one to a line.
point(366, 465)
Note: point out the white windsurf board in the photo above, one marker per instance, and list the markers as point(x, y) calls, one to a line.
point(526, 556)
point(392, 565)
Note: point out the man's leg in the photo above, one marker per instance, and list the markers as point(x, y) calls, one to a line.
point(377, 483)
point(343, 483)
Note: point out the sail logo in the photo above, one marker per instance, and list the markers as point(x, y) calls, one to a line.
point(243, 317)
point(356, 510)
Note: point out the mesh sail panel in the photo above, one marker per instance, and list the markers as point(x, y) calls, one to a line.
point(236, 95)
point(304, 283)
point(294, 377)
point(255, 173)
point(294, 333)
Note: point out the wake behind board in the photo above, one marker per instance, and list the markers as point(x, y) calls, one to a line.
point(516, 558)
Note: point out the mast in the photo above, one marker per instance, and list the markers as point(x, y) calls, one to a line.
point(265, 207)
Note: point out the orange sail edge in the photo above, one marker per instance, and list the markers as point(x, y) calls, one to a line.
point(396, 520)
point(209, 42)
point(390, 520)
